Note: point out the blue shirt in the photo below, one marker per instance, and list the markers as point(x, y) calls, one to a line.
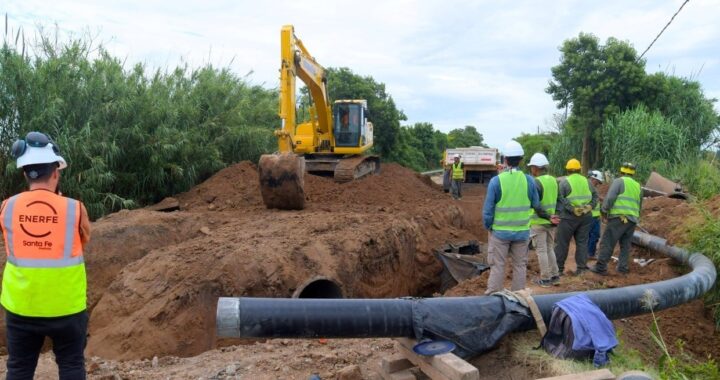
point(494, 194)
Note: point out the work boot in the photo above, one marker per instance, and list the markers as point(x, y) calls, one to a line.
point(544, 283)
point(595, 269)
point(555, 280)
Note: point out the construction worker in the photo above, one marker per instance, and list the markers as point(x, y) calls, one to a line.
point(458, 176)
point(506, 214)
point(596, 179)
point(576, 200)
point(542, 231)
point(44, 283)
point(621, 209)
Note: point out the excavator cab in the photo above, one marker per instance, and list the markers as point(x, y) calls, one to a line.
point(350, 128)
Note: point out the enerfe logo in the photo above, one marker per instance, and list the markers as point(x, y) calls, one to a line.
point(43, 214)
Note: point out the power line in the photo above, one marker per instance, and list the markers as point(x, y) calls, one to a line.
point(663, 29)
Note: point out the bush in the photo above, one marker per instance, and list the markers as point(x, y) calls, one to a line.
point(646, 139)
point(130, 137)
point(704, 237)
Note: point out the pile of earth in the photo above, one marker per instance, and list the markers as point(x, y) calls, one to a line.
point(154, 277)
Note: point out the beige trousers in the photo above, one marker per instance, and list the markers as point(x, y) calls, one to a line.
point(498, 252)
point(543, 238)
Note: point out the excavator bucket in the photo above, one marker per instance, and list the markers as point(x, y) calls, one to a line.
point(282, 181)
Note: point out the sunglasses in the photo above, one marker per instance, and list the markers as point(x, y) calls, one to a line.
point(35, 140)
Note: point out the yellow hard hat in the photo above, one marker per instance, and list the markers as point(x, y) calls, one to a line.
point(573, 164)
point(627, 168)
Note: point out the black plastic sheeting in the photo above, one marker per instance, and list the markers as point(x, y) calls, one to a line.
point(474, 327)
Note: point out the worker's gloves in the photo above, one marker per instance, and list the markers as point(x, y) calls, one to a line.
point(624, 219)
point(580, 211)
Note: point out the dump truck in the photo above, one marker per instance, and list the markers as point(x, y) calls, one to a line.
point(480, 163)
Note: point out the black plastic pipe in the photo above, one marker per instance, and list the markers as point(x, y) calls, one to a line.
point(364, 318)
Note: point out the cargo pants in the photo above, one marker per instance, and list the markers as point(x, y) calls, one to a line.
point(499, 250)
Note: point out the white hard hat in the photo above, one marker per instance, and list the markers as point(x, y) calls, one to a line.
point(513, 149)
point(42, 155)
point(36, 148)
point(539, 160)
point(596, 174)
point(456, 156)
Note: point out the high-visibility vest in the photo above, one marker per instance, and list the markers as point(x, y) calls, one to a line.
point(628, 203)
point(596, 210)
point(580, 194)
point(548, 201)
point(512, 212)
point(45, 272)
point(457, 171)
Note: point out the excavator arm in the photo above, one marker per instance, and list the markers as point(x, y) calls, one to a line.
point(296, 61)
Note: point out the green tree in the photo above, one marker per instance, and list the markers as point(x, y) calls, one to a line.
point(595, 82)
point(465, 137)
point(536, 143)
point(682, 101)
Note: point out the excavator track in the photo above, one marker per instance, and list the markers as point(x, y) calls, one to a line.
point(352, 168)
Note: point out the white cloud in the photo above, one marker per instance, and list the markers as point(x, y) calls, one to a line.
point(451, 63)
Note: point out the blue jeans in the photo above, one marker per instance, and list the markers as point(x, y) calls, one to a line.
point(594, 237)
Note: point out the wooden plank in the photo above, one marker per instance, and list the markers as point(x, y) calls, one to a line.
point(439, 367)
point(405, 374)
point(600, 374)
point(395, 363)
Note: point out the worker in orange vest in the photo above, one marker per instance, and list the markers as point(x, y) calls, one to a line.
point(44, 282)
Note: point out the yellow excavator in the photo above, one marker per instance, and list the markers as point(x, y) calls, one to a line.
point(331, 142)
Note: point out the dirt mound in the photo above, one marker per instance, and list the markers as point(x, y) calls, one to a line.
point(235, 187)
point(374, 237)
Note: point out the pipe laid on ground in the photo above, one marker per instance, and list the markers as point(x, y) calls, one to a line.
point(364, 318)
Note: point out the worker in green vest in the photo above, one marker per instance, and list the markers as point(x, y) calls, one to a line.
point(506, 214)
point(457, 170)
point(596, 179)
point(576, 200)
point(542, 231)
point(621, 209)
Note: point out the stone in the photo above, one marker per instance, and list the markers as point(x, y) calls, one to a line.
point(351, 372)
point(205, 230)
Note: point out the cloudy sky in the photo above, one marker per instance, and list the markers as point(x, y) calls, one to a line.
point(451, 63)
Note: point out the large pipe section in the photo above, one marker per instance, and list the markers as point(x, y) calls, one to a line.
point(364, 318)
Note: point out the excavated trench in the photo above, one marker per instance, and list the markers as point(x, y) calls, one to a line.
point(154, 278)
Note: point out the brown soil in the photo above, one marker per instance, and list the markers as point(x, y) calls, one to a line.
point(161, 274)
point(154, 278)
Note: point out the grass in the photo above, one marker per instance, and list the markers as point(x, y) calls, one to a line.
point(681, 366)
point(704, 236)
point(622, 360)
